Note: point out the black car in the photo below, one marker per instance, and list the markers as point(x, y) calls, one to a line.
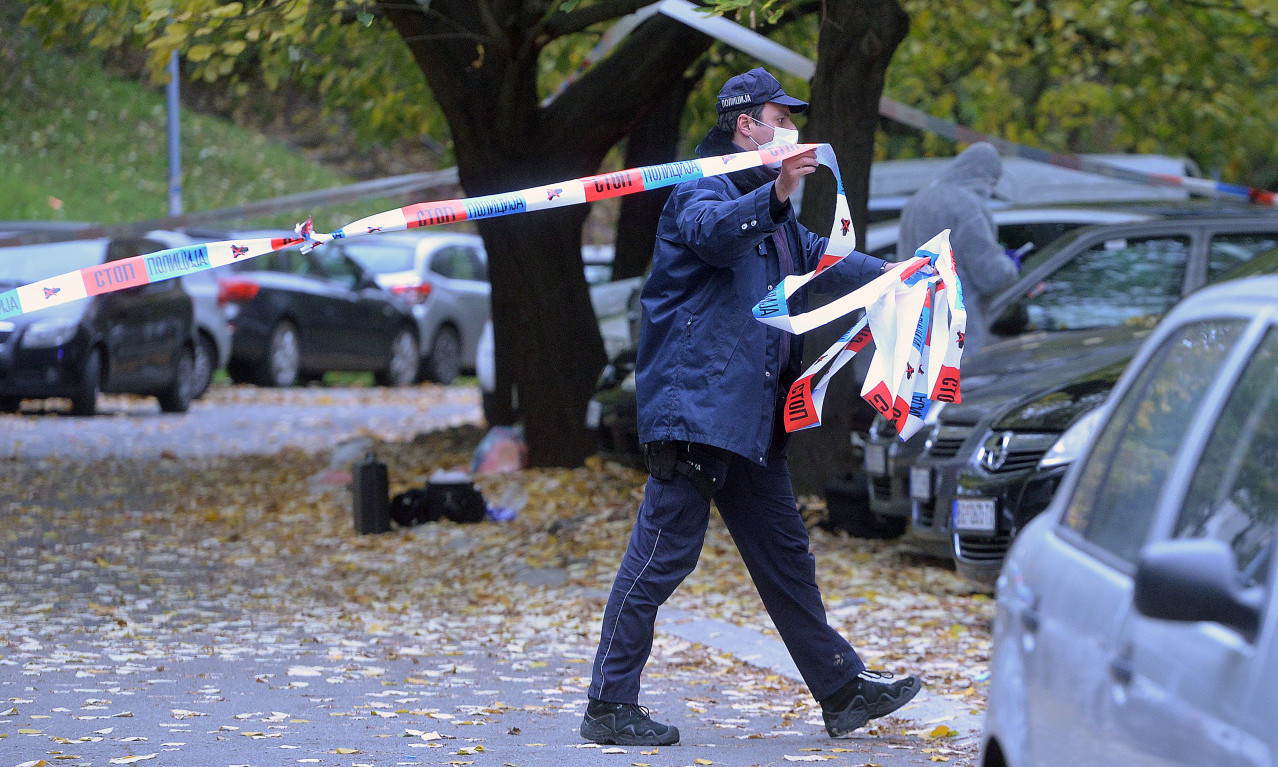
point(138, 340)
point(1081, 306)
point(296, 316)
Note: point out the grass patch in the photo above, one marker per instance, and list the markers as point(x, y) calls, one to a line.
point(79, 145)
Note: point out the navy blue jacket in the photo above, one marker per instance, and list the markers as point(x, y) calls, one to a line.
point(707, 370)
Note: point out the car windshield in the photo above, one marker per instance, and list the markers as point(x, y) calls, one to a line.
point(380, 258)
point(29, 263)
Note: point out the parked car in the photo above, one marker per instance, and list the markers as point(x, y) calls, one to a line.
point(1082, 304)
point(616, 306)
point(444, 276)
point(138, 340)
point(1136, 618)
point(299, 315)
point(612, 410)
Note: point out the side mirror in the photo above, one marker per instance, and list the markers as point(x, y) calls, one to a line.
point(1195, 580)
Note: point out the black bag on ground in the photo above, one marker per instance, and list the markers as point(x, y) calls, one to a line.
point(454, 497)
point(412, 507)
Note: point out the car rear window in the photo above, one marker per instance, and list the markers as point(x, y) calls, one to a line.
point(28, 263)
point(381, 258)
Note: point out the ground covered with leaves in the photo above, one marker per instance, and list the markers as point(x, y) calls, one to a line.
point(216, 556)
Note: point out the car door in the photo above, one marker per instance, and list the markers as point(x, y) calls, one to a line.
point(147, 323)
point(464, 276)
point(1078, 601)
point(1181, 691)
point(359, 316)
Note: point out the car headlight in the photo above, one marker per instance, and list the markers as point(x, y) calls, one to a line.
point(42, 335)
point(1070, 446)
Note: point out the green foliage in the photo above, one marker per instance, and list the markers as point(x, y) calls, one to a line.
point(353, 58)
point(1167, 76)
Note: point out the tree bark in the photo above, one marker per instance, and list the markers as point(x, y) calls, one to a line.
point(480, 58)
point(654, 141)
point(856, 43)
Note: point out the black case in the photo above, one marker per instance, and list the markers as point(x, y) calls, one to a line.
point(370, 486)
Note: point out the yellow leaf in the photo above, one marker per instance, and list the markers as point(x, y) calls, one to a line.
point(200, 52)
point(28, 731)
point(702, 761)
point(941, 731)
point(346, 751)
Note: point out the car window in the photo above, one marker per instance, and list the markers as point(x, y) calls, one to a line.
point(30, 263)
point(380, 258)
point(1116, 282)
point(1229, 250)
point(1233, 495)
point(458, 262)
point(334, 265)
point(1113, 503)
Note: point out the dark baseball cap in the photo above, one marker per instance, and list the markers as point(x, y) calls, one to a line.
point(754, 88)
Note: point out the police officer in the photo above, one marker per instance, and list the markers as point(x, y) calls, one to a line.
point(711, 384)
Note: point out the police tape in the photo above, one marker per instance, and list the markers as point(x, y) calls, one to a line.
point(140, 270)
point(916, 317)
point(176, 262)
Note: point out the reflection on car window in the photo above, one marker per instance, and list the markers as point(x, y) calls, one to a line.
point(1234, 493)
point(1117, 282)
point(1118, 488)
point(1231, 250)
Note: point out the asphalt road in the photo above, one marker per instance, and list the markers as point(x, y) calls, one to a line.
point(234, 420)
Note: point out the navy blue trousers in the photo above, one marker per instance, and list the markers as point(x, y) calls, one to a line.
point(758, 507)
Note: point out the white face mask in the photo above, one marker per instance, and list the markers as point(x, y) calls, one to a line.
point(780, 137)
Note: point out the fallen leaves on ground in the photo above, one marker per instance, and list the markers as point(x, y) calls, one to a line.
point(148, 551)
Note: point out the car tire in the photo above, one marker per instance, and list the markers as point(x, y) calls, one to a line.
point(402, 361)
point(444, 363)
point(204, 366)
point(847, 503)
point(283, 361)
point(85, 400)
point(10, 404)
point(177, 398)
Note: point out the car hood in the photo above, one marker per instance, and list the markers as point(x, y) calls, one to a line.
point(1057, 408)
point(1001, 374)
point(72, 310)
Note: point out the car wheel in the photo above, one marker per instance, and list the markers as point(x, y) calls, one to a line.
point(10, 404)
point(205, 364)
point(85, 400)
point(403, 358)
point(177, 398)
point(444, 363)
point(283, 357)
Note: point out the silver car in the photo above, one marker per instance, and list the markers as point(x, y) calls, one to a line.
point(1137, 621)
point(444, 275)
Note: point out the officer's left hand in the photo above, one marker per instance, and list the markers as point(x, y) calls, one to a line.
point(793, 169)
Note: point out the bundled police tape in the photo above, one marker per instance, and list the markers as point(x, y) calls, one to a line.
point(906, 305)
point(915, 316)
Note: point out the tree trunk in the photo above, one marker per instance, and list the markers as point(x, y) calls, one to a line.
point(857, 40)
point(481, 62)
point(654, 141)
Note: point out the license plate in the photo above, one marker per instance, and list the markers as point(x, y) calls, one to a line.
point(921, 483)
point(975, 514)
point(876, 459)
point(594, 414)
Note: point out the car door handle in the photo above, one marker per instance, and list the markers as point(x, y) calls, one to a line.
point(1029, 620)
point(1121, 668)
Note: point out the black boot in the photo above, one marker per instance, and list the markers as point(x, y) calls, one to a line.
point(625, 724)
point(866, 698)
